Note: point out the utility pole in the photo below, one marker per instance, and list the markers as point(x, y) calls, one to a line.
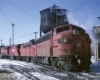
point(35, 34)
point(1, 42)
point(13, 34)
point(99, 19)
point(10, 41)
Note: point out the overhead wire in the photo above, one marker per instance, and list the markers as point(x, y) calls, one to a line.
point(79, 3)
point(23, 36)
point(21, 9)
point(83, 3)
point(19, 30)
point(8, 19)
point(5, 16)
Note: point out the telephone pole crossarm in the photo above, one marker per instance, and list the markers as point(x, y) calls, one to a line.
point(35, 34)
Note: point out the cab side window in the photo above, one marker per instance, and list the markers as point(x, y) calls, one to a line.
point(78, 28)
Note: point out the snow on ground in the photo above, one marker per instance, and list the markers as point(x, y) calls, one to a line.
point(42, 76)
point(18, 76)
point(30, 71)
point(24, 70)
point(96, 68)
point(92, 59)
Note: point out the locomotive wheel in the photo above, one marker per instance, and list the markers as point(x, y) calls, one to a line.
point(22, 58)
point(49, 61)
point(36, 59)
point(29, 59)
point(56, 62)
point(60, 67)
point(40, 60)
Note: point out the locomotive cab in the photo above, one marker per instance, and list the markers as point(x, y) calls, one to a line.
point(72, 44)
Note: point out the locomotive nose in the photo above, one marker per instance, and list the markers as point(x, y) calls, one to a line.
point(77, 45)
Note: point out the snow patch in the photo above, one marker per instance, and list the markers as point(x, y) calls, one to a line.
point(61, 74)
point(18, 76)
point(43, 77)
point(91, 76)
point(30, 71)
point(92, 59)
point(23, 64)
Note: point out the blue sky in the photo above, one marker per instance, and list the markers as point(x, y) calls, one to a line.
point(25, 14)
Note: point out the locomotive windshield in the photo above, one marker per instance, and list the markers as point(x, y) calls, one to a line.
point(61, 29)
point(77, 28)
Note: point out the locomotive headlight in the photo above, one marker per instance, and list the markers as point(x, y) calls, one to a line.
point(76, 32)
point(62, 40)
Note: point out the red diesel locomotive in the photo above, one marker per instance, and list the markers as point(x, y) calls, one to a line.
point(67, 47)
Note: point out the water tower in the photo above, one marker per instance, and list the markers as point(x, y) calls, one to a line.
point(52, 17)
